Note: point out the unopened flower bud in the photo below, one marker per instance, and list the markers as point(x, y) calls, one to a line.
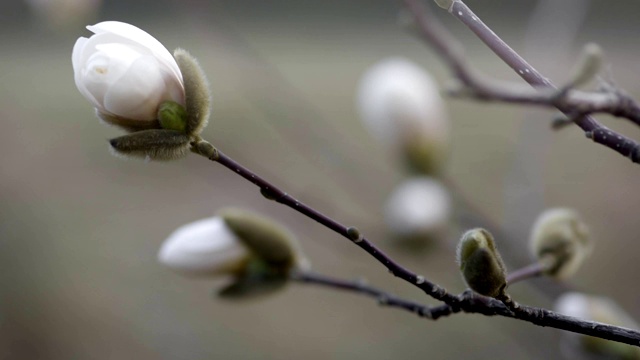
point(135, 83)
point(258, 253)
point(400, 104)
point(418, 210)
point(599, 309)
point(560, 241)
point(480, 263)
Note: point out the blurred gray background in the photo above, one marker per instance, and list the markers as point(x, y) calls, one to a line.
point(80, 229)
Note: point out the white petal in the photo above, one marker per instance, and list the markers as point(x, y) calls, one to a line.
point(137, 93)
point(102, 69)
point(418, 205)
point(139, 36)
point(204, 247)
point(78, 48)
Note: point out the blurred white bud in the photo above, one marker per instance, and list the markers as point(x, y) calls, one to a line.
point(401, 105)
point(418, 208)
point(205, 247)
point(560, 240)
point(125, 72)
point(599, 309)
point(64, 14)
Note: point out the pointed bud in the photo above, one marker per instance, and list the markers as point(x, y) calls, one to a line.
point(599, 309)
point(204, 248)
point(401, 105)
point(418, 210)
point(445, 4)
point(560, 241)
point(481, 264)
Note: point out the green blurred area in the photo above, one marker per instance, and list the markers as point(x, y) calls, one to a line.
point(80, 229)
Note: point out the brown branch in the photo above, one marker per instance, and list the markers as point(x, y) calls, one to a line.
point(467, 302)
point(471, 302)
point(577, 105)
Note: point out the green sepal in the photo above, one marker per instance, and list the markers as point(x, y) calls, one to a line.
point(265, 238)
point(258, 279)
point(172, 116)
point(152, 144)
point(197, 94)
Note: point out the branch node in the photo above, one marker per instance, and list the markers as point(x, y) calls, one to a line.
point(354, 234)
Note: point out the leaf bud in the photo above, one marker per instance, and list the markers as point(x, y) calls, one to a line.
point(560, 241)
point(480, 263)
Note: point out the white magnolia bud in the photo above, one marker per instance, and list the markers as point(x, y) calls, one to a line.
point(599, 309)
point(401, 105)
point(205, 247)
point(419, 207)
point(560, 241)
point(125, 72)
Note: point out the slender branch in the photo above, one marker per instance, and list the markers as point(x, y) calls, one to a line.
point(274, 193)
point(534, 270)
point(359, 286)
point(467, 301)
point(570, 102)
point(473, 303)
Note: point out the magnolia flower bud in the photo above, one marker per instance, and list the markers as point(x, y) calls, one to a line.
point(560, 241)
point(125, 72)
point(599, 309)
point(400, 104)
point(481, 264)
point(418, 209)
point(135, 83)
point(205, 247)
point(257, 252)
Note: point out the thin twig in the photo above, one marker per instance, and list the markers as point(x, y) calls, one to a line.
point(534, 270)
point(572, 102)
point(359, 286)
point(467, 301)
point(471, 302)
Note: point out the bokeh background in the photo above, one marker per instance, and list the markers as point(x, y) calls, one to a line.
point(80, 229)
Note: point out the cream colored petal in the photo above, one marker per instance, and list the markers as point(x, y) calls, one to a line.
point(137, 93)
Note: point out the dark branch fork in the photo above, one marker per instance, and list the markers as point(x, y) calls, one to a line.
point(466, 302)
point(576, 105)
